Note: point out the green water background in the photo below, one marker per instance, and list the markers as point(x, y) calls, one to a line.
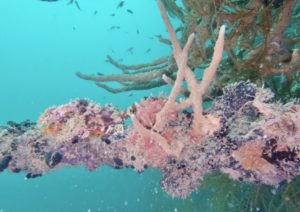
point(42, 44)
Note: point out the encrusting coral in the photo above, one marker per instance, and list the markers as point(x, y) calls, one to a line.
point(243, 134)
point(256, 142)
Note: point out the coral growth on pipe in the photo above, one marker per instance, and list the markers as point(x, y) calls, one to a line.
point(243, 134)
point(257, 141)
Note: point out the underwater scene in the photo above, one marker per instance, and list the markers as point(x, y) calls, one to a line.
point(149, 105)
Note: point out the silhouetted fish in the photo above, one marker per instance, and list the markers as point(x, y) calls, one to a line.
point(163, 40)
point(129, 11)
point(121, 4)
point(74, 2)
point(130, 50)
point(147, 51)
point(70, 2)
point(114, 27)
point(179, 29)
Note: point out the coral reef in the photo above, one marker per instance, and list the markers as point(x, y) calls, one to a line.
point(245, 134)
point(257, 141)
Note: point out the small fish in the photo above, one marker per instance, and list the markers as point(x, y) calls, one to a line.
point(129, 11)
point(112, 14)
point(95, 12)
point(179, 29)
point(137, 31)
point(77, 5)
point(130, 50)
point(147, 51)
point(121, 4)
point(163, 40)
point(131, 94)
point(70, 2)
point(99, 74)
point(114, 27)
point(74, 2)
point(74, 28)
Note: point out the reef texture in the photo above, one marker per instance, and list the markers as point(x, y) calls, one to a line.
point(243, 134)
point(257, 141)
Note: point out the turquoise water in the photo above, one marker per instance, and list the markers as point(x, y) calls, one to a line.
point(42, 44)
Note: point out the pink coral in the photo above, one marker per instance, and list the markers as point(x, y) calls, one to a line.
point(147, 110)
point(201, 125)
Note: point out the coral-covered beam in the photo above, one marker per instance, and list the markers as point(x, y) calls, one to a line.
point(257, 141)
point(244, 133)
